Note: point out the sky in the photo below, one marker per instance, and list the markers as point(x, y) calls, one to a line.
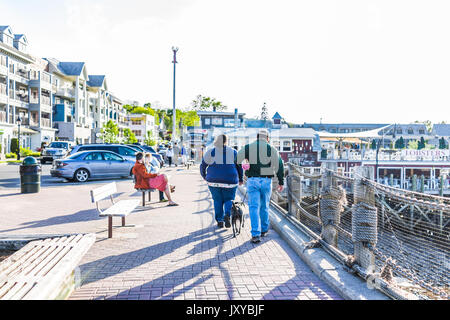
point(331, 61)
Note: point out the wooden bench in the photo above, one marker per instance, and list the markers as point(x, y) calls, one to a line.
point(119, 209)
point(43, 269)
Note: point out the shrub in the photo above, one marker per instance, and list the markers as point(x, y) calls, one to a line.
point(14, 145)
point(11, 156)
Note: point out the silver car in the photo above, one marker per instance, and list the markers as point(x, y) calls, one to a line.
point(85, 165)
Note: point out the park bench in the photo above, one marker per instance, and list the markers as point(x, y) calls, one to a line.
point(44, 269)
point(119, 209)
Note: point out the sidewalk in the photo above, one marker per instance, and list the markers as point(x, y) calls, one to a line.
point(165, 252)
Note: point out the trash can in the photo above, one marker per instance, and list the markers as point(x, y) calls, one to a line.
point(30, 176)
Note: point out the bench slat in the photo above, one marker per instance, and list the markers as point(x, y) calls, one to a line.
point(47, 287)
point(103, 192)
point(121, 208)
point(31, 250)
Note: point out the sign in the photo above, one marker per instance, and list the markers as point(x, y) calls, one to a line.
point(435, 153)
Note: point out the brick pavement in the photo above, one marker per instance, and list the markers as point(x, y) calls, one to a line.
point(165, 252)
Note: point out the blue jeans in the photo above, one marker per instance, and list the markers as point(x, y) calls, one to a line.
point(222, 198)
point(259, 191)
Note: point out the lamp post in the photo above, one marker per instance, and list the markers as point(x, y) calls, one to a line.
point(174, 116)
point(19, 122)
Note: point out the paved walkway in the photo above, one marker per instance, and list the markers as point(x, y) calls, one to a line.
point(165, 252)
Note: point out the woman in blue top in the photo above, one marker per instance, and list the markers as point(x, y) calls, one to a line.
point(222, 172)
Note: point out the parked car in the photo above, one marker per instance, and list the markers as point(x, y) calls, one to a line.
point(55, 150)
point(122, 150)
point(82, 166)
point(144, 148)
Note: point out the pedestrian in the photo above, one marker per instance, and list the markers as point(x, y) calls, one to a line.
point(176, 154)
point(265, 162)
point(152, 169)
point(220, 169)
point(169, 155)
point(183, 155)
point(145, 180)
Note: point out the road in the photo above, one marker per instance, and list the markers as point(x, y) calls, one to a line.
point(10, 178)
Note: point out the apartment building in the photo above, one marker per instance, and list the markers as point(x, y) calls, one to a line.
point(141, 124)
point(25, 94)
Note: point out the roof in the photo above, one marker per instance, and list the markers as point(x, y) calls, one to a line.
point(71, 68)
point(3, 28)
point(215, 113)
point(255, 123)
point(441, 129)
point(19, 36)
point(274, 133)
point(277, 116)
point(96, 81)
point(375, 133)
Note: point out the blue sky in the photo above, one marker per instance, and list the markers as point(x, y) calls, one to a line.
point(342, 61)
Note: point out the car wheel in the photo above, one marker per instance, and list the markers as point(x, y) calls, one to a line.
point(43, 162)
point(81, 175)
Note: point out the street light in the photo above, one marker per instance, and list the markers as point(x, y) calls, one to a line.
point(19, 122)
point(174, 116)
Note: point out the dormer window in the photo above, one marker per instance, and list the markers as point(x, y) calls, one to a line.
point(410, 131)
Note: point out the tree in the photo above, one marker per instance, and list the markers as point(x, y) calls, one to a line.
point(427, 123)
point(442, 143)
point(400, 143)
point(373, 145)
point(264, 113)
point(129, 136)
point(413, 145)
point(207, 104)
point(421, 145)
point(149, 139)
point(14, 145)
point(110, 132)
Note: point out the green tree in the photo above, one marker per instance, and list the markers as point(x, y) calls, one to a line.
point(421, 145)
point(110, 132)
point(149, 141)
point(14, 145)
point(129, 136)
point(400, 143)
point(427, 123)
point(442, 143)
point(413, 145)
point(373, 145)
point(202, 103)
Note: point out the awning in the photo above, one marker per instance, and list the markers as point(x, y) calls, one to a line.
point(25, 130)
point(345, 140)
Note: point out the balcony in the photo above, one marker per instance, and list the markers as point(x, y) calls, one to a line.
point(65, 92)
point(46, 123)
point(3, 117)
point(45, 100)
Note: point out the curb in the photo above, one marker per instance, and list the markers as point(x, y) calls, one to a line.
point(327, 268)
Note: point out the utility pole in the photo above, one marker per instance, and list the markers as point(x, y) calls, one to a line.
point(174, 116)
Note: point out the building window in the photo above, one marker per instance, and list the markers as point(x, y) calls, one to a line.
point(207, 121)
point(399, 131)
point(217, 121)
point(137, 133)
point(421, 131)
point(410, 131)
point(276, 144)
point(136, 122)
point(287, 146)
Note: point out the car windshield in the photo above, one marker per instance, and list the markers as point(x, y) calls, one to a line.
point(59, 145)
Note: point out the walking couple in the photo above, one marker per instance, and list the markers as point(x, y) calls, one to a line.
point(223, 168)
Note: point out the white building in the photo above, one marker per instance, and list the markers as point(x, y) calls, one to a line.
point(141, 124)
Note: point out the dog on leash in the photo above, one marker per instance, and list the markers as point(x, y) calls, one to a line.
point(237, 217)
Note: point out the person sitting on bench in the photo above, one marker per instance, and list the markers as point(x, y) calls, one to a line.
point(145, 180)
point(152, 169)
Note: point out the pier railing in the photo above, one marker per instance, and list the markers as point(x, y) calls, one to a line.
point(398, 240)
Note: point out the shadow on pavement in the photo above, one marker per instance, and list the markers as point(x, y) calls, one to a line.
point(84, 215)
point(107, 267)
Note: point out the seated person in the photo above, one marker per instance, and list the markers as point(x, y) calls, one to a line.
point(145, 180)
point(152, 169)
